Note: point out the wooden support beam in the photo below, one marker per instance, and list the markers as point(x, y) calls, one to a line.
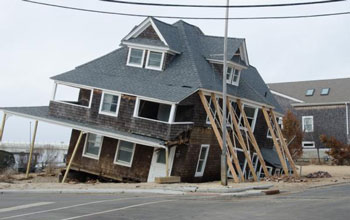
point(31, 149)
point(277, 146)
point(167, 162)
point(217, 134)
point(2, 126)
point(72, 157)
point(241, 140)
point(284, 144)
point(252, 138)
point(228, 138)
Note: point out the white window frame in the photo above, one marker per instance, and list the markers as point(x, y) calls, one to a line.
point(230, 80)
point(280, 122)
point(161, 60)
point(200, 174)
point(143, 57)
point(125, 164)
point(252, 126)
point(303, 123)
point(325, 94)
point(171, 115)
point(91, 156)
point(101, 103)
point(308, 142)
point(53, 99)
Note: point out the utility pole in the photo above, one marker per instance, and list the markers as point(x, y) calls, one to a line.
point(224, 128)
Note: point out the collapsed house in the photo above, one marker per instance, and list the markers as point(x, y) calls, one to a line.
point(153, 108)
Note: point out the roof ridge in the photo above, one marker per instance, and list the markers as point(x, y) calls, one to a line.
point(314, 80)
point(213, 36)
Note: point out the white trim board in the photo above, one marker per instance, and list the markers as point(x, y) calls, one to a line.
point(286, 96)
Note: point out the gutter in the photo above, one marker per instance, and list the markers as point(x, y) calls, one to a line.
point(318, 104)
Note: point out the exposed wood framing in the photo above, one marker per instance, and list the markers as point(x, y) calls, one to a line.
point(2, 126)
point(277, 146)
point(72, 157)
point(217, 134)
point(228, 138)
point(284, 144)
point(31, 149)
point(252, 138)
point(241, 140)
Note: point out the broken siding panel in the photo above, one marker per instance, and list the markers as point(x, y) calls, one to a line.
point(105, 165)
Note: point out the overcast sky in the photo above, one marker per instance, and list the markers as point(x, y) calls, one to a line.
point(37, 42)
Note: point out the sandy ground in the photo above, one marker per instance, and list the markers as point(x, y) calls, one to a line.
point(340, 174)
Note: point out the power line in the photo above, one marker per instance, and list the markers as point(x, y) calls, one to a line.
point(223, 6)
point(190, 18)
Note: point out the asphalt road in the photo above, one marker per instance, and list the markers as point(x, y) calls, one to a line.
point(315, 204)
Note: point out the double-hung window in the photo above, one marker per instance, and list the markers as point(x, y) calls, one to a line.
point(125, 153)
point(155, 60)
point(202, 160)
point(308, 123)
point(232, 76)
point(110, 104)
point(93, 146)
point(251, 113)
point(136, 57)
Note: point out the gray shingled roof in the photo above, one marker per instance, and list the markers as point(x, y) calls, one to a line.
point(339, 90)
point(41, 113)
point(186, 73)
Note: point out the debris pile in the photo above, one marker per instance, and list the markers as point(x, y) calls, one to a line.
point(319, 174)
point(286, 179)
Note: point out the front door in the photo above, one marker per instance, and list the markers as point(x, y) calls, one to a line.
point(158, 166)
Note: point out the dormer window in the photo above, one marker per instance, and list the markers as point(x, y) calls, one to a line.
point(136, 57)
point(232, 76)
point(155, 60)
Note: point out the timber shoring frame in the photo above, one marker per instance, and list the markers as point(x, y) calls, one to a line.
point(2, 126)
point(217, 134)
point(277, 146)
point(284, 144)
point(31, 149)
point(252, 138)
point(228, 138)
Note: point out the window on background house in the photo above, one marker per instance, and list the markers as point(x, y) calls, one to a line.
point(308, 123)
point(202, 160)
point(136, 57)
point(93, 146)
point(308, 144)
point(125, 153)
point(310, 92)
point(154, 110)
point(109, 104)
point(154, 60)
point(325, 91)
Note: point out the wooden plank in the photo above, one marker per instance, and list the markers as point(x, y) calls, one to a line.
point(167, 162)
point(2, 126)
point(252, 138)
point(284, 144)
point(72, 157)
point(169, 179)
point(277, 146)
point(228, 138)
point(241, 140)
point(31, 149)
point(217, 134)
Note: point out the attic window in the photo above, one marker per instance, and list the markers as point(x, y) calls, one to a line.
point(310, 92)
point(136, 57)
point(155, 60)
point(325, 91)
point(232, 76)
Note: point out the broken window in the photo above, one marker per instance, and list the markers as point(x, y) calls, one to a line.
point(136, 57)
point(72, 95)
point(251, 113)
point(184, 113)
point(125, 153)
point(202, 160)
point(308, 123)
point(110, 104)
point(154, 110)
point(92, 146)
